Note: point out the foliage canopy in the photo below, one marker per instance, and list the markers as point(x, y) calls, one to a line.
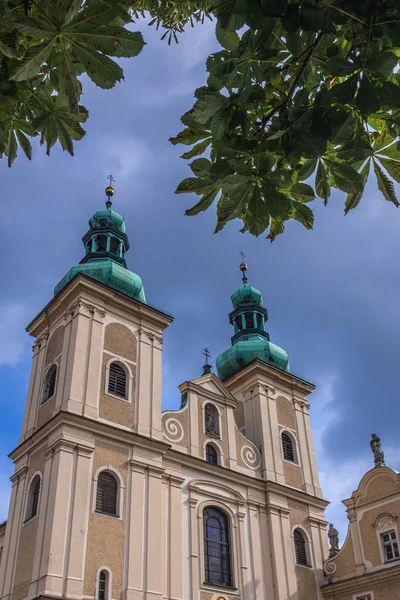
point(302, 97)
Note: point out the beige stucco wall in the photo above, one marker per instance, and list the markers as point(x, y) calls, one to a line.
point(306, 583)
point(27, 539)
point(293, 474)
point(106, 535)
point(368, 532)
point(115, 409)
point(55, 345)
point(345, 561)
point(285, 413)
point(119, 340)
point(2, 538)
point(378, 487)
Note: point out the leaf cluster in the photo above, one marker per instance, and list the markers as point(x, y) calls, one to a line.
point(45, 46)
point(303, 97)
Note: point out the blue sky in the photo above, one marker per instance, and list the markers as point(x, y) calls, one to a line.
point(332, 293)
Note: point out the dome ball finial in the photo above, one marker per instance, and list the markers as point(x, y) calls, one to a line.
point(109, 191)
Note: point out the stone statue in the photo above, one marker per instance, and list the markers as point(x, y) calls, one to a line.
point(211, 420)
point(333, 536)
point(379, 457)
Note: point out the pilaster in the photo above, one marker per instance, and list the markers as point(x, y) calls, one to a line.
point(95, 345)
point(135, 525)
point(15, 517)
point(36, 397)
point(153, 584)
point(145, 368)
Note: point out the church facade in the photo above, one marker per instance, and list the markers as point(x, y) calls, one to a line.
point(220, 500)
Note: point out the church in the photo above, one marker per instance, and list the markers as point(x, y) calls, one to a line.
point(113, 499)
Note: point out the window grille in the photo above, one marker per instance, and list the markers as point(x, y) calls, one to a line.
point(300, 548)
point(107, 493)
point(117, 380)
point(217, 552)
point(102, 585)
point(33, 499)
point(288, 450)
point(211, 455)
point(50, 383)
point(390, 546)
point(367, 597)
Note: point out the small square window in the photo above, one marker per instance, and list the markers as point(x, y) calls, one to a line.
point(390, 546)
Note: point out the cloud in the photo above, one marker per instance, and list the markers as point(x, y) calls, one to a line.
point(12, 332)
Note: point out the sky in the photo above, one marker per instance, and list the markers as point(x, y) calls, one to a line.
point(332, 293)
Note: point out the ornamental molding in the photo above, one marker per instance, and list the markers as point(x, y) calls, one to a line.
point(385, 521)
point(251, 457)
point(330, 568)
point(173, 430)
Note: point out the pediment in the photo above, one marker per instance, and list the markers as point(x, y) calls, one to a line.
point(379, 482)
point(211, 384)
point(213, 489)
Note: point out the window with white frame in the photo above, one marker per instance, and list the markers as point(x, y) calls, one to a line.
point(32, 502)
point(301, 549)
point(49, 386)
point(365, 597)
point(390, 546)
point(103, 585)
point(117, 381)
point(288, 447)
point(107, 494)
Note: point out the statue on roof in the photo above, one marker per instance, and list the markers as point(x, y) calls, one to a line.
point(333, 536)
point(379, 457)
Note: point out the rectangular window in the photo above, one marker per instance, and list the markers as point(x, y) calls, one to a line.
point(390, 547)
point(367, 597)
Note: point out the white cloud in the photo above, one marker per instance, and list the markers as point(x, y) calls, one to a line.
point(15, 341)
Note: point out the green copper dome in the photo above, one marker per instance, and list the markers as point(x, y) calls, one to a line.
point(106, 244)
point(107, 218)
point(246, 295)
point(250, 340)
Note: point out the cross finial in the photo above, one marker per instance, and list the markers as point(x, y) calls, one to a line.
point(206, 367)
point(110, 191)
point(243, 268)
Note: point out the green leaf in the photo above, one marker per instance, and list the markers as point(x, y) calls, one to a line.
point(344, 92)
point(321, 182)
point(201, 166)
point(33, 60)
point(277, 227)
point(189, 137)
point(6, 50)
point(392, 167)
point(385, 185)
point(103, 71)
point(302, 213)
point(302, 192)
point(354, 199)
point(227, 38)
point(367, 97)
point(345, 177)
point(256, 219)
point(383, 139)
point(205, 202)
point(24, 143)
point(231, 204)
point(11, 147)
point(197, 149)
point(307, 169)
point(193, 184)
point(392, 151)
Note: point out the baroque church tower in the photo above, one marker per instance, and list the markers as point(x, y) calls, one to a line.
point(113, 499)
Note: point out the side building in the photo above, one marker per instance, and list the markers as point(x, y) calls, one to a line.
point(113, 499)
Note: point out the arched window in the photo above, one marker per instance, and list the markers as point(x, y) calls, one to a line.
point(103, 585)
point(107, 494)
point(217, 553)
point(288, 448)
point(117, 380)
point(32, 504)
point(211, 455)
point(211, 420)
point(300, 548)
point(249, 320)
point(49, 387)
